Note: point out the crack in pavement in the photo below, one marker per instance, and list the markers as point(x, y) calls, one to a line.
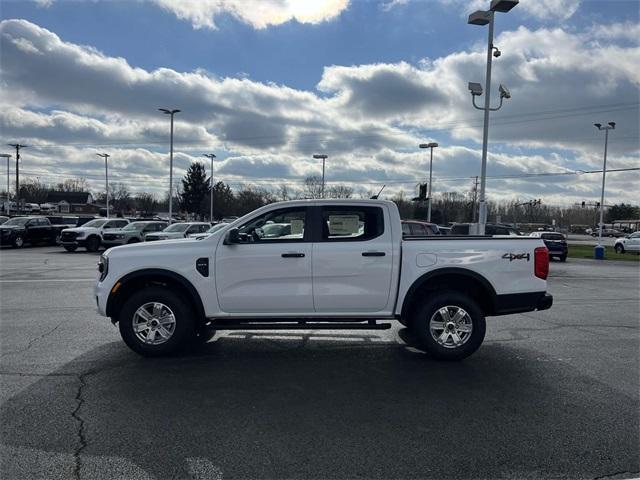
point(82, 440)
point(32, 341)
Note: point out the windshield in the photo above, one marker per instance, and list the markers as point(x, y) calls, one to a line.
point(177, 227)
point(95, 223)
point(217, 227)
point(17, 221)
point(135, 226)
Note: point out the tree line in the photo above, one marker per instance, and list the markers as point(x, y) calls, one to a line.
point(193, 198)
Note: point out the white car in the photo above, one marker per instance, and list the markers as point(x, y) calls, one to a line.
point(630, 243)
point(326, 273)
point(178, 230)
point(90, 234)
point(214, 229)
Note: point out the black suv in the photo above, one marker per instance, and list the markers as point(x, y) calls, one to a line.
point(20, 230)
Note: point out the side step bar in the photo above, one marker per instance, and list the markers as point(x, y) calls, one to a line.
point(301, 326)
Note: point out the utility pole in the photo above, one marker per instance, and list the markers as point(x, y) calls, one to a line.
point(106, 177)
point(8, 157)
point(475, 198)
point(599, 249)
point(172, 113)
point(211, 156)
point(323, 157)
point(482, 17)
point(431, 145)
point(17, 146)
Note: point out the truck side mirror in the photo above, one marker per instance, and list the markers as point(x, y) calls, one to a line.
point(233, 237)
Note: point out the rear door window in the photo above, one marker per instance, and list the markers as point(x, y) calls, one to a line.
point(350, 223)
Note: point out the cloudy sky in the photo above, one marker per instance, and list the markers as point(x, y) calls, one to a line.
point(264, 84)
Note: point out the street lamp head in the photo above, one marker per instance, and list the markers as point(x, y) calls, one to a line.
point(432, 145)
point(168, 112)
point(209, 155)
point(479, 18)
point(598, 126)
point(612, 125)
point(502, 5)
point(475, 89)
point(319, 156)
point(504, 92)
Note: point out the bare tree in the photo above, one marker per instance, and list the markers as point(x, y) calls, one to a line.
point(340, 191)
point(313, 187)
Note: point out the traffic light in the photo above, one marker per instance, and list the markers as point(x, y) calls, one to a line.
point(583, 204)
point(598, 204)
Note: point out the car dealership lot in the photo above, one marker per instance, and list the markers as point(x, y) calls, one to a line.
point(549, 394)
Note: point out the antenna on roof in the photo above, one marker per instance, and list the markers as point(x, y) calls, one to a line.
point(375, 197)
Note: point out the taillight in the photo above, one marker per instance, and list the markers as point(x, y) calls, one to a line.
point(541, 262)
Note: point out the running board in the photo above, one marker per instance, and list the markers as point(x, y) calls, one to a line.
point(301, 326)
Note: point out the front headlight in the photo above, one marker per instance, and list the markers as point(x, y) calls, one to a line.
point(80, 234)
point(103, 267)
point(120, 235)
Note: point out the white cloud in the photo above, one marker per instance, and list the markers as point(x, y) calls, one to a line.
point(257, 13)
point(368, 118)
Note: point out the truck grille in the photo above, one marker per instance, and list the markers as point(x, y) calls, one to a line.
point(68, 236)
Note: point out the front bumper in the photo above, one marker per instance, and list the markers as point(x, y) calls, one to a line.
point(81, 242)
point(102, 294)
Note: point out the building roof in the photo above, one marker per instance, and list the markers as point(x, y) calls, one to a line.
point(69, 197)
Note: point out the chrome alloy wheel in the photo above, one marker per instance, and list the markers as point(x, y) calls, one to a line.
point(154, 323)
point(451, 326)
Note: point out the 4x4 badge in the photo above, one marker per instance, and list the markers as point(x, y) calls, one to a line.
point(517, 256)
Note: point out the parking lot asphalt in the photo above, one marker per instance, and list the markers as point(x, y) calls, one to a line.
point(551, 394)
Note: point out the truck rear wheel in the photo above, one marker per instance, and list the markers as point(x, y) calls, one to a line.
point(449, 325)
point(156, 321)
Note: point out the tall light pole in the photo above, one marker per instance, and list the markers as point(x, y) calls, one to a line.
point(599, 250)
point(323, 157)
point(106, 177)
point(172, 113)
point(482, 17)
point(8, 157)
point(17, 146)
point(211, 156)
point(431, 145)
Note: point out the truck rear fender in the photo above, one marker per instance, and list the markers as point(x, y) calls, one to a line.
point(134, 281)
point(454, 279)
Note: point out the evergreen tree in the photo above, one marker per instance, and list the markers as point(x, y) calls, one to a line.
point(195, 187)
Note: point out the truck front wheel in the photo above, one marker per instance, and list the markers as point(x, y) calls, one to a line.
point(449, 325)
point(156, 321)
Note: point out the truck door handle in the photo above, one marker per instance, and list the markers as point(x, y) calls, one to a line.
point(373, 254)
point(292, 255)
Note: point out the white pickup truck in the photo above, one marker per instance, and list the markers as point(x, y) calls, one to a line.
point(342, 264)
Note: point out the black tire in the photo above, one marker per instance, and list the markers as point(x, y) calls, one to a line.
point(133, 240)
point(18, 241)
point(182, 335)
point(420, 325)
point(70, 248)
point(563, 258)
point(92, 244)
point(619, 248)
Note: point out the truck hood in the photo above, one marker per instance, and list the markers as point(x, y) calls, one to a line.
point(169, 235)
point(81, 230)
point(152, 249)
